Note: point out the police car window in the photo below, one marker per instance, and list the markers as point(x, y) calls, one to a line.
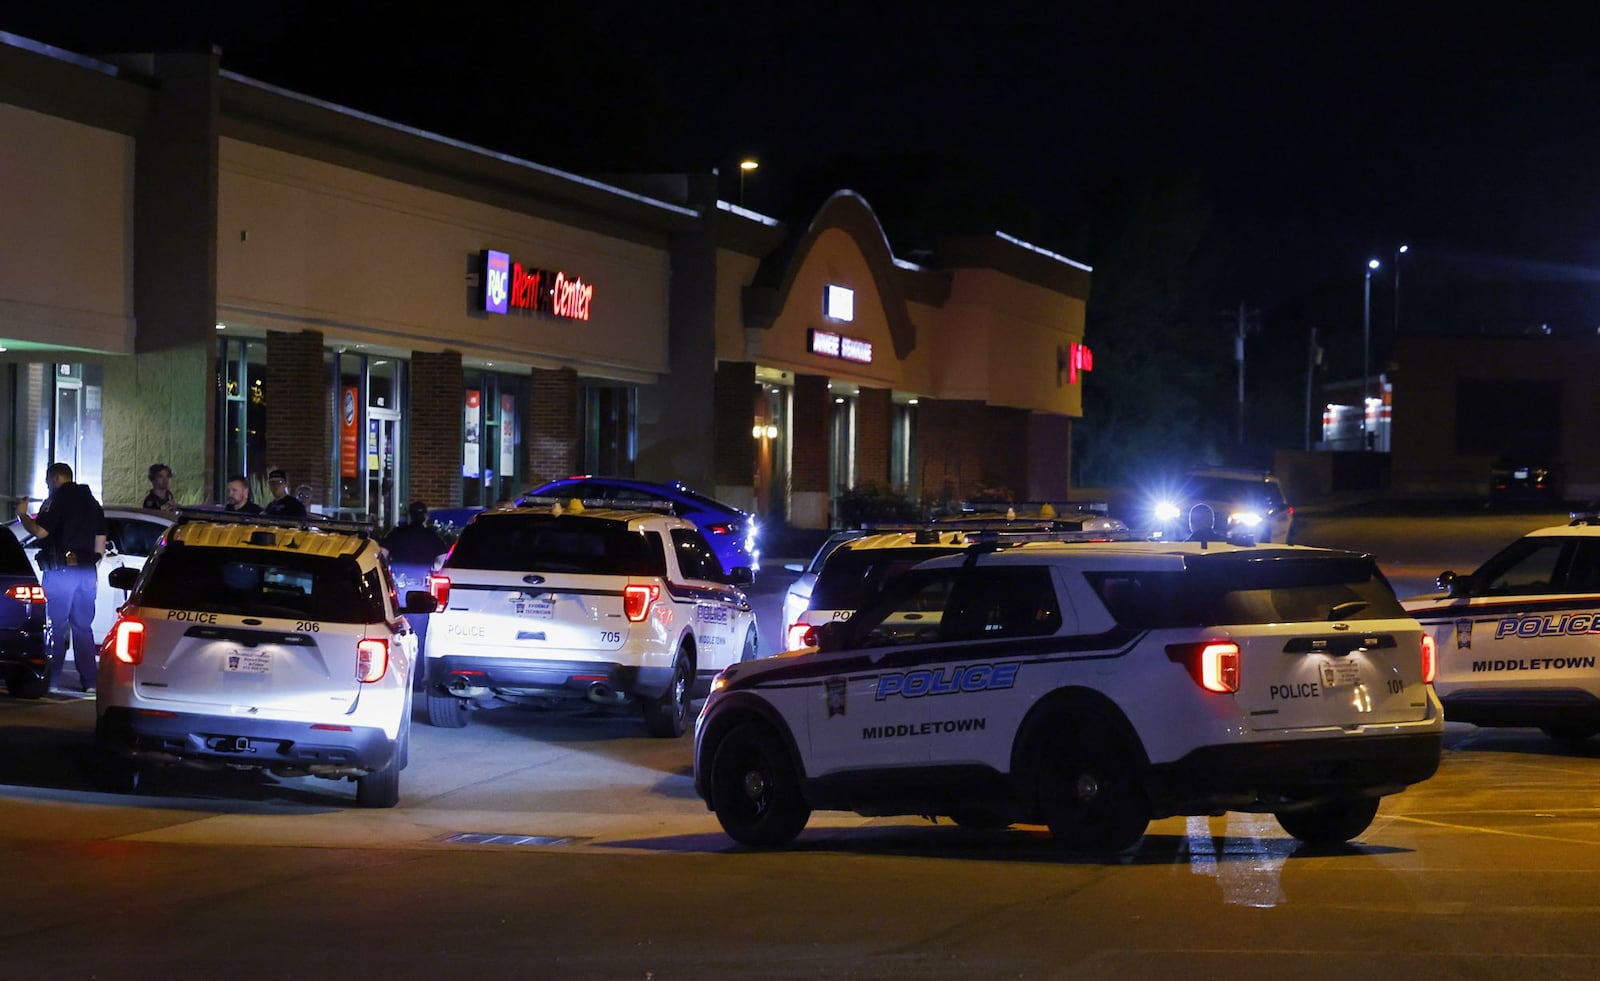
point(1583, 574)
point(1531, 566)
point(134, 537)
point(694, 555)
point(1002, 602)
point(13, 560)
point(1240, 592)
point(852, 578)
point(908, 613)
point(546, 543)
point(251, 581)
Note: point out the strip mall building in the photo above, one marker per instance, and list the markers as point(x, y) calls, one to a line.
point(203, 270)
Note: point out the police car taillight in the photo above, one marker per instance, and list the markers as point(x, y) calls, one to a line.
point(1430, 659)
point(439, 588)
point(27, 594)
point(372, 659)
point(801, 635)
point(126, 641)
point(1213, 664)
point(636, 600)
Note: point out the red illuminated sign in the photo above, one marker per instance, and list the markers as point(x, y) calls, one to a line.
point(1072, 359)
point(349, 433)
point(826, 342)
point(534, 290)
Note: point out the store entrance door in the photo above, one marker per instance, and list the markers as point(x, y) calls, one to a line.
point(383, 467)
point(69, 423)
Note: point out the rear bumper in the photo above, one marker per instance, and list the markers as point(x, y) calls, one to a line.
point(1264, 776)
point(23, 651)
point(248, 742)
point(1522, 707)
point(561, 679)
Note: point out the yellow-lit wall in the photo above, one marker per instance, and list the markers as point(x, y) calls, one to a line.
point(997, 340)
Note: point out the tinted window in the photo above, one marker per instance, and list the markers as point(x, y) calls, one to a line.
point(852, 578)
point(134, 537)
point(253, 581)
point(1256, 591)
point(1236, 491)
point(964, 604)
point(516, 542)
point(1541, 565)
point(694, 556)
point(13, 560)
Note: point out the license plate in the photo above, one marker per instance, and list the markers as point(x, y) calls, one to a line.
point(247, 662)
point(542, 608)
point(1337, 673)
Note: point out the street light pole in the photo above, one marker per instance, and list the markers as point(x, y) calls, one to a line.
point(1402, 250)
point(746, 166)
point(1366, 351)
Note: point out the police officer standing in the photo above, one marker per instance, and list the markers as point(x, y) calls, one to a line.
point(71, 530)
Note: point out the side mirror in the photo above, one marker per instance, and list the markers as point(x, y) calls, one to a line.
point(832, 636)
point(1453, 584)
point(417, 601)
point(122, 577)
point(741, 576)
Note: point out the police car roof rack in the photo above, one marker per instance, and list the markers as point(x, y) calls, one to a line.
point(596, 504)
point(309, 522)
point(1033, 509)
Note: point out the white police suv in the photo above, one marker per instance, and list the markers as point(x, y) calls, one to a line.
point(1519, 638)
point(558, 600)
point(268, 643)
point(1091, 688)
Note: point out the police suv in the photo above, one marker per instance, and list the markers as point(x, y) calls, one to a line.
point(565, 600)
point(1091, 688)
point(1518, 639)
point(269, 643)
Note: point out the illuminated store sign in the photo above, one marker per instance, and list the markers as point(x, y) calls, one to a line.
point(829, 344)
point(839, 304)
point(511, 286)
point(1072, 359)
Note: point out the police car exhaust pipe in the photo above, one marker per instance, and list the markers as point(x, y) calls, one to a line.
point(600, 692)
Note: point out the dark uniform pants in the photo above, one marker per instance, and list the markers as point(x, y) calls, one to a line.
point(69, 595)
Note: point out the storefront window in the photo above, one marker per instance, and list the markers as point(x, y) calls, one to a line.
point(902, 436)
point(608, 415)
point(241, 410)
point(369, 437)
point(491, 468)
point(842, 444)
point(55, 415)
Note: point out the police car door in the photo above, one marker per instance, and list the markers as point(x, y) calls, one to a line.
point(716, 604)
point(1528, 619)
point(865, 716)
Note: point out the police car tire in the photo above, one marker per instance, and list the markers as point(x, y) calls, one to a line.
point(755, 790)
point(750, 646)
point(112, 772)
point(27, 685)
point(446, 711)
point(380, 788)
point(1571, 733)
point(667, 717)
point(1330, 822)
point(1089, 789)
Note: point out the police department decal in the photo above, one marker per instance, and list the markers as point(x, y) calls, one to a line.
point(836, 689)
point(947, 681)
point(1463, 635)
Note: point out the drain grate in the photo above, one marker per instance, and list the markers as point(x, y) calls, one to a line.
point(482, 838)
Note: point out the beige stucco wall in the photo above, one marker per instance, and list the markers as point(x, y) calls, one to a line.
point(157, 407)
point(66, 234)
point(366, 258)
point(997, 340)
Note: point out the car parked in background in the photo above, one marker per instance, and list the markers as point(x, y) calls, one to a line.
point(798, 596)
point(24, 662)
point(1242, 503)
point(732, 533)
point(131, 535)
point(1524, 479)
point(1519, 638)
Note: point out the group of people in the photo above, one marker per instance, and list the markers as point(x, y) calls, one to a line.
point(70, 529)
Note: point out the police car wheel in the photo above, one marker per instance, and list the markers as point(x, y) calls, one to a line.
point(668, 716)
point(445, 711)
point(1089, 790)
point(1330, 822)
point(1572, 733)
point(112, 772)
point(749, 652)
point(754, 790)
point(25, 684)
point(380, 788)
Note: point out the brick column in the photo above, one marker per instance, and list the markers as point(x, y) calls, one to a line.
point(552, 443)
point(433, 429)
point(874, 421)
point(734, 452)
point(1005, 450)
point(950, 437)
point(298, 409)
point(808, 453)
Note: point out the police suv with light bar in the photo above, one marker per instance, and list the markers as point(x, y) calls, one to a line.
point(578, 600)
point(1091, 688)
point(270, 643)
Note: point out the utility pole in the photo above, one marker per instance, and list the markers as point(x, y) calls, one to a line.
point(1249, 320)
point(1313, 359)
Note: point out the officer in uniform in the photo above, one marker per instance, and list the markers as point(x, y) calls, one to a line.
point(71, 530)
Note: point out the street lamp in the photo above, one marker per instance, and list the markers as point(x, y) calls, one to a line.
point(1366, 350)
point(1402, 250)
point(748, 165)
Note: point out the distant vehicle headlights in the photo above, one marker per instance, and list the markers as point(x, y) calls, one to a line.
point(1249, 519)
point(752, 532)
point(1166, 511)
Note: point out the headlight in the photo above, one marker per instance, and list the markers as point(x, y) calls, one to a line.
point(1249, 519)
point(1166, 511)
